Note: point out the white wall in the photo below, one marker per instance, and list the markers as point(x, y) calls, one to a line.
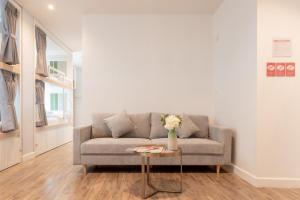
point(77, 63)
point(264, 111)
point(236, 77)
point(279, 98)
point(145, 63)
point(28, 82)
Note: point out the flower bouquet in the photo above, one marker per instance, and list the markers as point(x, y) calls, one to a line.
point(171, 122)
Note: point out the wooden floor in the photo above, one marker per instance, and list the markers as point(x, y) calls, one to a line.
point(52, 176)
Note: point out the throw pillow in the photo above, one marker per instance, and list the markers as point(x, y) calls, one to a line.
point(202, 123)
point(188, 127)
point(119, 124)
point(99, 127)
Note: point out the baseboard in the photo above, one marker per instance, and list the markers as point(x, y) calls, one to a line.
point(28, 156)
point(281, 182)
point(245, 175)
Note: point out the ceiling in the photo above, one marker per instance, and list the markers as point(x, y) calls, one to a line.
point(65, 20)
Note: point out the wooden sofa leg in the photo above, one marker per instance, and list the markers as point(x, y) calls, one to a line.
point(84, 169)
point(218, 169)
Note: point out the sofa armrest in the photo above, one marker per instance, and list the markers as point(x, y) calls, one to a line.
point(80, 135)
point(223, 135)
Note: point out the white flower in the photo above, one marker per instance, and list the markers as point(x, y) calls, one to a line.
point(172, 122)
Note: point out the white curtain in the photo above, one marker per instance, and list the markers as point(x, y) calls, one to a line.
point(8, 86)
point(41, 46)
point(41, 119)
point(9, 50)
point(2, 19)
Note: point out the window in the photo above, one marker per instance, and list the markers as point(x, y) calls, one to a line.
point(58, 103)
point(57, 68)
point(58, 100)
point(53, 67)
point(58, 60)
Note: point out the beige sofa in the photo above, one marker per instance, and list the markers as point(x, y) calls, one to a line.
point(93, 144)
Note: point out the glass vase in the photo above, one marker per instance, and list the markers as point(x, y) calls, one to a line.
point(172, 140)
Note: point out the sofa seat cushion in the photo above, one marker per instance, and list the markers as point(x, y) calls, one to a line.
point(195, 145)
point(111, 145)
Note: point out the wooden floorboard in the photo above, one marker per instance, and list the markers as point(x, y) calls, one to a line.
point(52, 176)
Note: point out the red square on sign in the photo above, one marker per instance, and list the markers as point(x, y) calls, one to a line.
point(271, 69)
point(290, 69)
point(280, 69)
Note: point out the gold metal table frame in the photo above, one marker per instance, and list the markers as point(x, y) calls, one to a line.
point(146, 178)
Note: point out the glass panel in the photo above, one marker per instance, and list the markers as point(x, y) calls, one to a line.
point(53, 104)
point(58, 103)
point(57, 59)
point(68, 107)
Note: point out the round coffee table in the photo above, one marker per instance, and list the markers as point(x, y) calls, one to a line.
point(146, 178)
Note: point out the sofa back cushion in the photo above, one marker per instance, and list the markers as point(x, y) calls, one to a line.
point(141, 126)
point(202, 123)
point(157, 129)
point(99, 127)
point(146, 126)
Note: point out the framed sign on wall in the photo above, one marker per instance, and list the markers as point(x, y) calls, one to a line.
point(282, 48)
point(290, 69)
point(281, 69)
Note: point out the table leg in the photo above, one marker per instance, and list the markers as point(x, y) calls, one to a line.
point(146, 178)
point(181, 172)
point(143, 177)
point(148, 170)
